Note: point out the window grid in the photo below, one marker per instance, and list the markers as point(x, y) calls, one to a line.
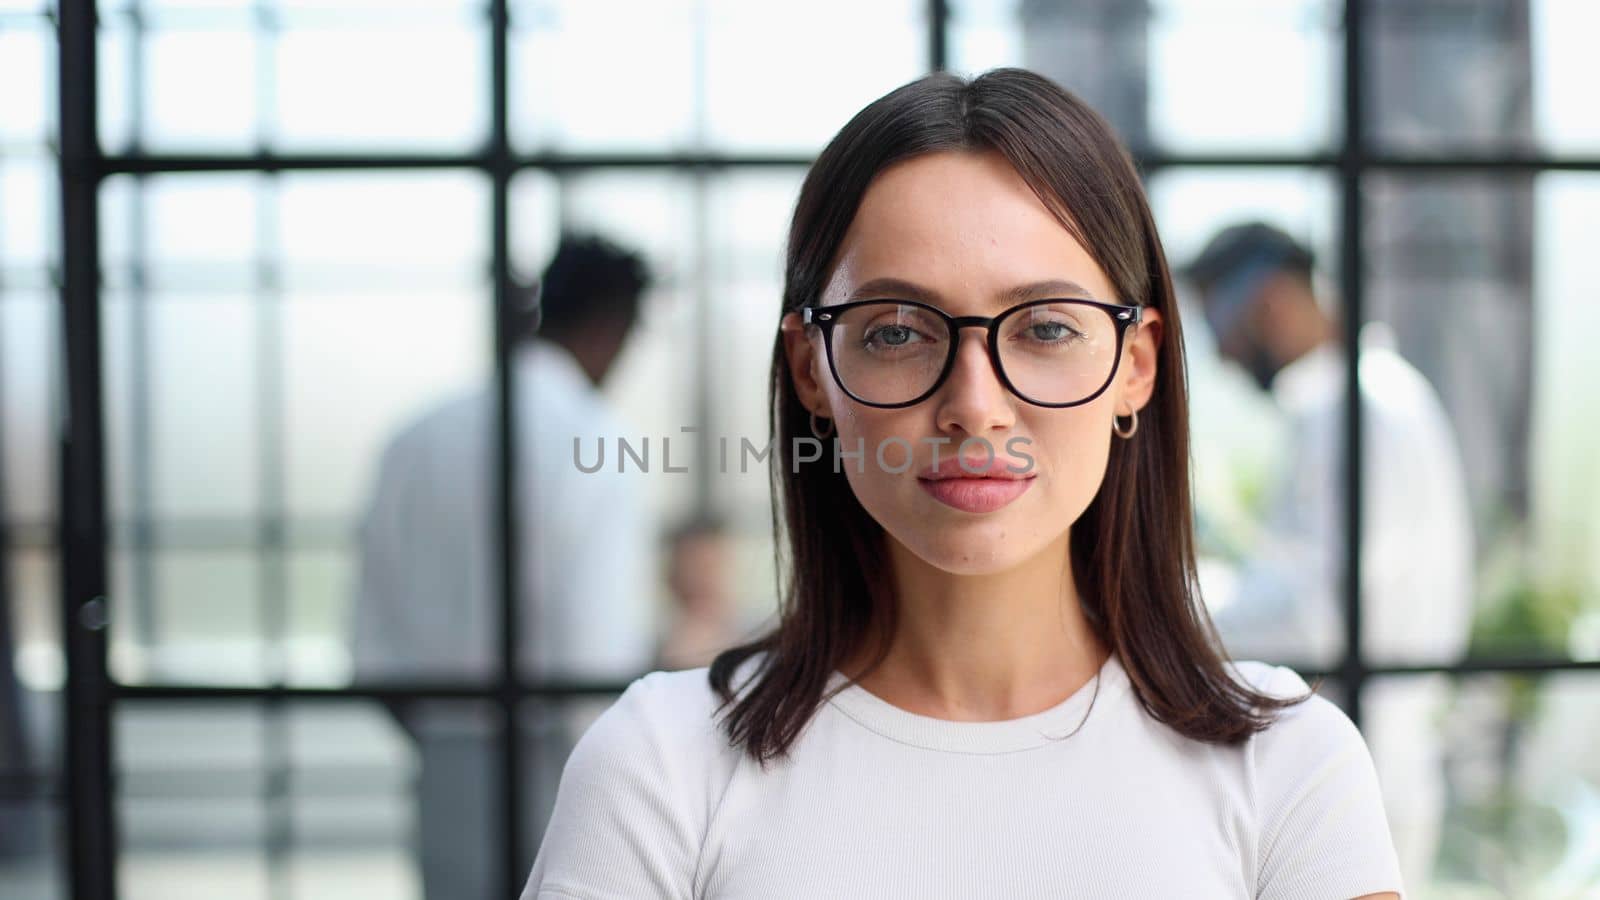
point(92, 695)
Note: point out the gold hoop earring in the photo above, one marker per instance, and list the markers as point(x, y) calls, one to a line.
point(817, 431)
point(1131, 429)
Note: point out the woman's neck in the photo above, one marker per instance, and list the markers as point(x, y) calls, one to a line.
point(984, 647)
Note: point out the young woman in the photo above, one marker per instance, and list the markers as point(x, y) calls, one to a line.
point(991, 675)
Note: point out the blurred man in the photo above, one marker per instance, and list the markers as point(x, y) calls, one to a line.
point(1257, 289)
point(427, 605)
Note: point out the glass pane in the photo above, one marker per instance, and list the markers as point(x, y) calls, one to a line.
point(115, 81)
point(765, 88)
point(400, 227)
point(319, 800)
point(395, 266)
point(318, 574)
point(32, 669)
point(1247, 76)
point(356, 82)
point(325, 8)
point(1179, 75)
point(29, 338)
point(1462, 265)
point(199, 89)
point(190, 613)
point(724, 75)
point(535, 214)
point(28, 189)
point(749, 219)
point(1264, 421)
point(333, 445)
point(1098, 49)
point(28, 64)
point(1565, 494)
point(574, 81)
point(190, 231)
point(188, 443)
point(1490, 781)
point(182, 78)
point(240, 463)
point(1483, 77)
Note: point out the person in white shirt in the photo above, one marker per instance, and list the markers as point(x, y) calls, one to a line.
point(990, 676)
point(427, 607)
point(1258, 289)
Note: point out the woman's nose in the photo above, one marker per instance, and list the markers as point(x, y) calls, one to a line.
point(973, 399)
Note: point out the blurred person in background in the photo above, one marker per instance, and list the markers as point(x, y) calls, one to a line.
point(427, 604)
point(704, 618)
point(1259, 290)
point(21, 824)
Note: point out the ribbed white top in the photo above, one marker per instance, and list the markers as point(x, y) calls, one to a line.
point(875, 801)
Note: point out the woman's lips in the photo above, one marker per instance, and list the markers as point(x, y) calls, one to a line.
point(976, 495)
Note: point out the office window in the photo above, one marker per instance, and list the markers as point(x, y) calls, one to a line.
point(32, 663)
point(1507, 757)
point(293, 77)
point(723, 75)
point(317, 234)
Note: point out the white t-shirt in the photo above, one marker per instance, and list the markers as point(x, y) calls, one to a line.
point(879, 802)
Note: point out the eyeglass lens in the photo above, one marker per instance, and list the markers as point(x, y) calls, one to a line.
point(893, 352)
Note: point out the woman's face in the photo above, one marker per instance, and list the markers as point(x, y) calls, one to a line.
point(967, 230)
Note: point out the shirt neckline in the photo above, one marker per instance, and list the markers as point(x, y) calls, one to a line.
point(1003, 736)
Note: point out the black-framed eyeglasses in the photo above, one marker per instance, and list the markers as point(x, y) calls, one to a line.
point(893, 353)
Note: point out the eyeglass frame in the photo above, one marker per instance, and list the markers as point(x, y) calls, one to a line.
point(1122, 315)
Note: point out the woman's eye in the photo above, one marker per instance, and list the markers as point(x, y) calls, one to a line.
point(890, 335)
point(1051, 332)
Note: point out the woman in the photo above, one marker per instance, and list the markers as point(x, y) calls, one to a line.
point(992, 675)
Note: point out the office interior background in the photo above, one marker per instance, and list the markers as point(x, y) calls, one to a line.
point(244, 244)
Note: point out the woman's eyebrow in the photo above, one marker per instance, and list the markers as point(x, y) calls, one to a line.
point(899, 288)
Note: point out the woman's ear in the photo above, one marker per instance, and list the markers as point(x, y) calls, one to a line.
point(805, 364)
point(1138, 372)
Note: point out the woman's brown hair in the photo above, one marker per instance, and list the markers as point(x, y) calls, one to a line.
point(1132, 550)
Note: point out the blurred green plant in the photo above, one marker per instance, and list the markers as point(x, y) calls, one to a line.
point(1521, 610)
point(1501, 841)
point(1495, 836)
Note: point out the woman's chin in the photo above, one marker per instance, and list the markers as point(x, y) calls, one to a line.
point(978, 548)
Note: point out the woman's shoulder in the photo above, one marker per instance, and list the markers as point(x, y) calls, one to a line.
point(637, 793)
point(1316, 793)
point(1315, 719)
point(687, 695)
point(663, 720)
point(1297, 735)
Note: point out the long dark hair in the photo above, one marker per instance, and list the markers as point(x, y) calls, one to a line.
point(1132, 551)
